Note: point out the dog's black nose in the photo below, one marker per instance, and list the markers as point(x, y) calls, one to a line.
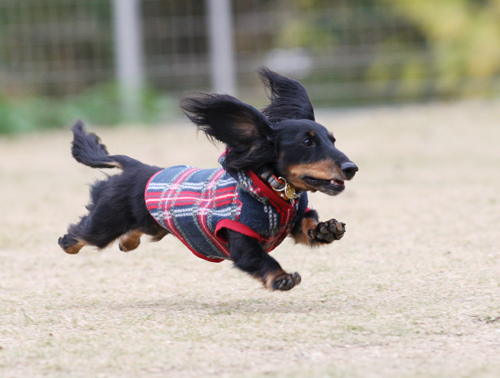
point(349, 169)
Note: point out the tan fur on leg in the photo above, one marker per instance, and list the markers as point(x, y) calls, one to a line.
point(269, 278)
point(303, 237)
point(130, 240)
point(281, 280)
point(74, 249)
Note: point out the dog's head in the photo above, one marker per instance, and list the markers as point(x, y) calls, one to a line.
point(283, 137)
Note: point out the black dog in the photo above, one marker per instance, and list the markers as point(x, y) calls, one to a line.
point(239, 212)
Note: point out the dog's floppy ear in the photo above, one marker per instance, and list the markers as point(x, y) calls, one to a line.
point(226, 119)
point(245, 130)
point(289, 99)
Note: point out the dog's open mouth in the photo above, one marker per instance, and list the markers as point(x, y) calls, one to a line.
point(330, 187)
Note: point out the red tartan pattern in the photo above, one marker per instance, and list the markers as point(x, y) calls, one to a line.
point(197, 204)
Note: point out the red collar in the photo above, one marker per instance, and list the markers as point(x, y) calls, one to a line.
point(270, 193)
point(282, 187)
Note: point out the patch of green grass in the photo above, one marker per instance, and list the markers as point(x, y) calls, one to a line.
point(101, 105)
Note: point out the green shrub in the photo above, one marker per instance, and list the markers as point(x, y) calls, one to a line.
point(100, 105)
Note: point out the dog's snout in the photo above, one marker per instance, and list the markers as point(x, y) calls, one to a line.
point(349, 169)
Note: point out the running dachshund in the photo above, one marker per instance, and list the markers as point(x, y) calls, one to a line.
point(238, 212)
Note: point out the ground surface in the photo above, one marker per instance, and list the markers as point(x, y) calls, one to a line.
point(411, 291)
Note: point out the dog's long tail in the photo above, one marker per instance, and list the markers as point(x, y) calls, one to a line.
point(88, 149)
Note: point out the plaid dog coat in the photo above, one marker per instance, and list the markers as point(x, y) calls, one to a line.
point(197, 204)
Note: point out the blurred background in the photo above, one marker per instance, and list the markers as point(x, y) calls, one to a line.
point(121, 61)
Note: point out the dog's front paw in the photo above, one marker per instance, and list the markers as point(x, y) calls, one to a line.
point(327, 232)
point(282, 281)
point(286, 281)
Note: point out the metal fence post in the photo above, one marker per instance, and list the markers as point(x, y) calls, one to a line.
point(129, 54)
point(220, 33)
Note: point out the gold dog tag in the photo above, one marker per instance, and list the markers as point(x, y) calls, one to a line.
point(290, 191)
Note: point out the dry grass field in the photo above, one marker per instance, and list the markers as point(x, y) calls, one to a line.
point(412, 290)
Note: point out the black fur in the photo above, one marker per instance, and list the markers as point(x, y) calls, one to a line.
point(245, 130)
point(117, 203)
point(283, 138)
point(87, 149)
point(289, 99)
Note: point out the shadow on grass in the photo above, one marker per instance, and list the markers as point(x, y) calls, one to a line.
point(221, 307)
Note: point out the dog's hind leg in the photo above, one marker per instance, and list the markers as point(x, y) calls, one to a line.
point(99, 228)
point(130, 240)
point(70, 244)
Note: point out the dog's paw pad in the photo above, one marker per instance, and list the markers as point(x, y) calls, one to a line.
point(286, 281)
point(327, 232)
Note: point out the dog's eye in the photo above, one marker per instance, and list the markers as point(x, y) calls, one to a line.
point(308, 142)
